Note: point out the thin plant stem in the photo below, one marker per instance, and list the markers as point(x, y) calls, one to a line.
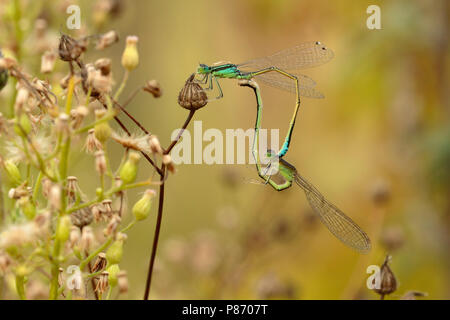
point(156, 236)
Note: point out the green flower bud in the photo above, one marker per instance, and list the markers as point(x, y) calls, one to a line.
point(113, 270)
point(115, 252)
point(28, 208)
point(63, 229)
point(23, 125)
point(13, 172)
point(141, 209)
point(128, 171)
point(102, 130)
point(130, 56)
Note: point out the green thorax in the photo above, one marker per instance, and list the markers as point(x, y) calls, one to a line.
point(227, 70)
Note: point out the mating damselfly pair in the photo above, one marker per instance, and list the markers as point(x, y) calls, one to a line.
point(280, 70)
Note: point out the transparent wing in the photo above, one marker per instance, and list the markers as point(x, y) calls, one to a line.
point(305, 55)
point(277, 80)
point(334, 219)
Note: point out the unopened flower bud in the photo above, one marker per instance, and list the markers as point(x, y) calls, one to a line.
point(130, 56)
point(115, 252)
point(107, 40)
point(154, 88)
point(102, 130)
point(128, 171)
point(113, 271)
point(141, 208)
point(12, 172)
point(63, 229)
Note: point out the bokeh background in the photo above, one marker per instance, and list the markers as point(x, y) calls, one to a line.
point(378, 146)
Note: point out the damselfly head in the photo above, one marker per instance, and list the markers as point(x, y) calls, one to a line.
point(203, 68)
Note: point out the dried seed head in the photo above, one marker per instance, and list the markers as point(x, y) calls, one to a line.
point(104, 65)
point(112, 226)
point(412, 295)
point(154, 88)
point(192, 96)
point(22, 97)
point(122, 281)
point(92, 144)
point(100, 162)
point(62, 124)
point(70, 49)
point(77, 116)
point(48, 62)
point(107, 40)
point(107, 207)
point(167, 161)
point(388, 283)
point(100, 263)
point(75, 236)
point(155, 146)
point(87, 239)
point(102, 283)
point(130, 56)
point(82, 217)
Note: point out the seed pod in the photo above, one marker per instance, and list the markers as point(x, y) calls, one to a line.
point(388, 283)
point(154, 88)
point(192, 96)
point(128, 171)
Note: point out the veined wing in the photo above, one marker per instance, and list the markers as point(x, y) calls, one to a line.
point(302, 56)
point(277, 80)
point(334, 219)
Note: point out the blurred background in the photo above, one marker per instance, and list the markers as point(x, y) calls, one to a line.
point(378, 145)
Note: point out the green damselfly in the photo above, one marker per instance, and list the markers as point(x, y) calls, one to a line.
point(334, 219)
point(279, 70)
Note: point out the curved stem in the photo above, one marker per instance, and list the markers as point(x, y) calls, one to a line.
point(156, 236)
